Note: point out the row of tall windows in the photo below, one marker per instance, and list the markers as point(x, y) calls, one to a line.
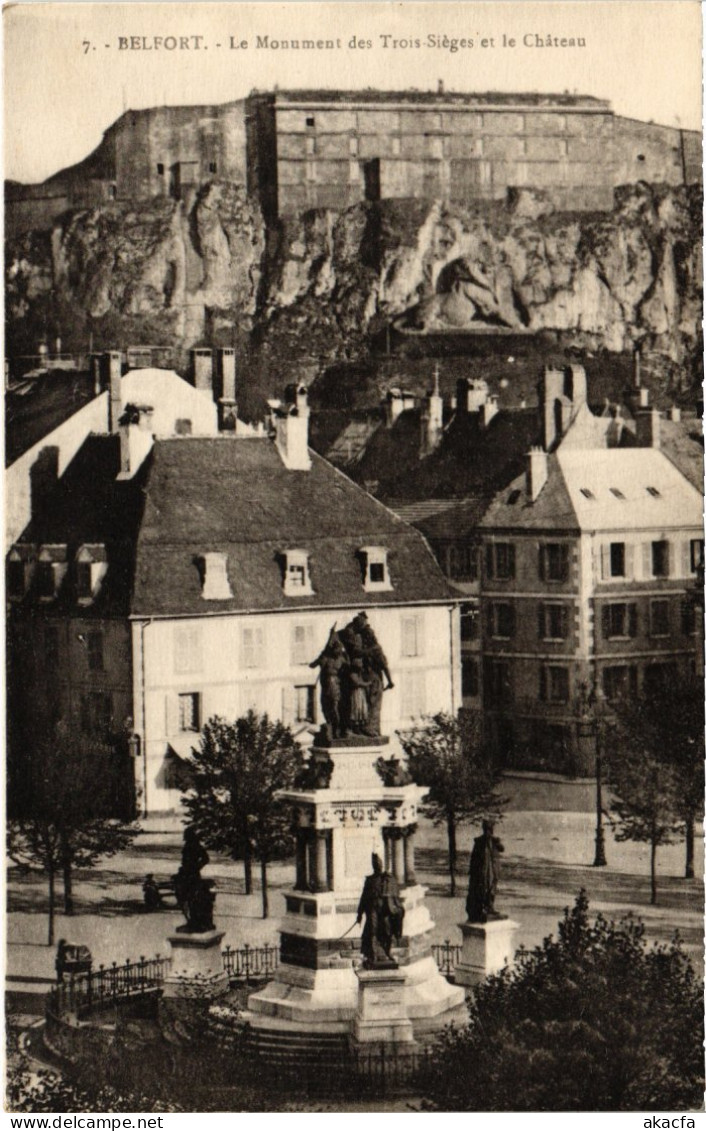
point(658, 560)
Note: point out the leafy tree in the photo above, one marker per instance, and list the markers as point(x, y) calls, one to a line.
point(233, 804)
point(647, 802)
point(36, 844)
point(447, 755)
point(68, 818)
point(594, 1020)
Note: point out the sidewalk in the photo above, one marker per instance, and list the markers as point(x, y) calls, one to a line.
point(547, 860)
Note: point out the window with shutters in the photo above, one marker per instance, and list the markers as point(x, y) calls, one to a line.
point(619, 620)
point(302, 644)
point(553, 621)
point(305, 703)
point(500, 561)
point(620, 682)
point(554, 683)
point(413, 635)
point(252, 647)
point(188, 649)
point(463, 563)
point(502, 620)
point(189, 716)
point(497, 688)
point(659, 618)
point(696, 554)
point(554, 561)
point(413, 689)
point(469, 679)
point(94, 651)
point(660, 559)
point(617, 559)
point(469, 622)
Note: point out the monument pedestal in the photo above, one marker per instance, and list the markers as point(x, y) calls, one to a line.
point(487, 947)
point(317, 986)
point(382, 1017)
point(197, 966)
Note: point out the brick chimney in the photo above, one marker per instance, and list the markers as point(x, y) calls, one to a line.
point(536, 472)
point(291, 424)
point(202, 361)
point(136, 439)
point(432, 417)
point(647, 428)
point(113, 371)
point(227, 407)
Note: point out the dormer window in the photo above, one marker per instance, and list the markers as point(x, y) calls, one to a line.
point(376, 576)
point(20, 569)
point(52, 565)
point(214, 577)
point(297, 582)
point(91, 568)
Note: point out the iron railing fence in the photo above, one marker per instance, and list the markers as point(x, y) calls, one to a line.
point(87, 991)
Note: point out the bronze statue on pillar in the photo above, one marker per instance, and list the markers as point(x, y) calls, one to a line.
point(194, 895)
point(384, 915)
point(484, 873)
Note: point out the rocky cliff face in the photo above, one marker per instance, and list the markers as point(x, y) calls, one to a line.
point(318, 286)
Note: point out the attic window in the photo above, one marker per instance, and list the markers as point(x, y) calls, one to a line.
point(617, 492)
point(653, 492)
point(212, 168)
point(91, 568)
point(160, 168)
point(376, 577)
point(641, 157)
point(311, 121)
point(513, 497)
point(215, 585)
point(20, 567)
point(586, 493)
point(297, 582)
point(51, 570)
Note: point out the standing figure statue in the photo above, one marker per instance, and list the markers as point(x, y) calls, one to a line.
point(483, 876)
point(194, 895)
point(384, 915)
point(332, 662)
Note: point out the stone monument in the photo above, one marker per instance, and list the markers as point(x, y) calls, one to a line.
point(197, 966)
point(354, 802)
point(487, 935)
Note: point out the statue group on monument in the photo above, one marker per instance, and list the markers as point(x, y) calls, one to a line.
point(354, 674)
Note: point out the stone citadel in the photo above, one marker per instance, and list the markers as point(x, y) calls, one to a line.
point(303, 149)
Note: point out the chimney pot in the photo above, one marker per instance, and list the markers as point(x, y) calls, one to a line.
point(536, 472)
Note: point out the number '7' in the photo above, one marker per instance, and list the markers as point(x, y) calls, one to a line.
point(86, 44)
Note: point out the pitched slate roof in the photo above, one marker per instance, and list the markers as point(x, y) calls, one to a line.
point(235, 497)
point(552, 510)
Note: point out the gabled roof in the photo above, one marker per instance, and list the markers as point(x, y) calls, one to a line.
point(235, 497)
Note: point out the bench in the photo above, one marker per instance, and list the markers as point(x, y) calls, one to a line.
point(156, 893)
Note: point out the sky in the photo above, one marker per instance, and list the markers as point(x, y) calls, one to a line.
point(72, 69)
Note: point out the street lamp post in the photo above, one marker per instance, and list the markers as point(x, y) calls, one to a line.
point(591, 729)
point(599, 860)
